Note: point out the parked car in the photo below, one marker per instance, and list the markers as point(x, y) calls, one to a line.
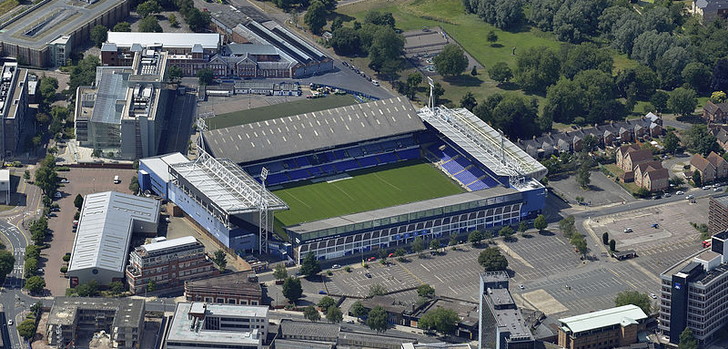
point(335, 266)
point(679, 192)
point(690, 197)
point(368, 275)
point(717, 189)
point(371, 259)
point(10, 322)
point(322, 292)
point(706, 187)
point(58, 195)
point(653, 296)
point(628, 230)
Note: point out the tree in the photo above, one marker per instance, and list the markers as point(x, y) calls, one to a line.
point(26, 329)
point(357, 309)
point(720, 76)
point(116, 287)
point(522, 227)
point(220, 259)
point(500, 72)
point(310, 265)
point(697, 181)
point(151, 286)
point(506, 232)
point(173, 20)
point(437, 92)
point(453, 241)
point(174, 73)
point(78, 201)
point(380, 18)
point(280, 272)
point(89, 289)
point(99, 34)
point(334, 315)
point(451, 61)
point(567, 226)
point(336, 24)
point(345, 41)
point(197, 20)
point(474, 71)
point(468, 101)
point(386, 49)
point(425, 290)
point(492, 260)
point(583, 176)
point(434, 244)
point(46, 177)
point(122, 27)
point(475, 237)
point(84, 73)
point(292, 289)
point(540, 223)
point(48, 88)
point(682, 101)
point(612, 245)
point(502, 14)
point(377, 319)
point(605, 238)
point(147, 8)
point(699, 140)
point(582, 57)
point(635, 298)
point(718, 97)
point(32, 251)
point(492, 37)
point(35, 284)
point(418, 245)
point(315, 17)
point(413, 83)
point(310, 313)
point(399, 252)
point(537, 68)
point(671, 142)
point(7, 261)
point(670, 65)
point(515, 115)
point(325, 303)
point(659, 100)
point(697, 75)
point(687, 339)
point(205, 76)
point(651, 45)
point(134, 184)
point(439, 319)
point(377, 290)
point(26, 175)
point(149, 24)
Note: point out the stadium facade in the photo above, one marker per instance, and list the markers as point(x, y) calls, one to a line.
point(500, 181)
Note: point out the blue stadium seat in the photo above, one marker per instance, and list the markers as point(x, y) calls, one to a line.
point(276, 178)
point(466, 177)
point(409, 154)
point(303, 161)
point(368, 161)
point(479, 185)
point(452, 167)
point(463, 161)
point(355, 152)
point(490, 182)
point(477, 171)
point(386, 158)
point(291, 163)
point(299, 175)
point(339, 155)
point(347, 165)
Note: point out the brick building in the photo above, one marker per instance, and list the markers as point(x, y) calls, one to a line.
point(168, 263)
point(235, 288)
point(602, 329)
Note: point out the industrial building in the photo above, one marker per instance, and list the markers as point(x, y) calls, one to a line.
point(13, 107)
point(694, 294)
point(217, 326)
point(45, 34)
point(74, 319)
point(502, 325)
point(105, 226)
point(122, 113)
point(168, 264)
point(231, 288)
point(604, 329)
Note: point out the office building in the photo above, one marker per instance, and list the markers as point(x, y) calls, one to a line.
point(718, 214)
point(168, 264)
point(5, 187)
point(46, 33)
point(73, 318)
point(188, 51)
point(217, 326)
point(604, 329)
point(502, 325)
point(694, 294)
point(232, 288)
point(13, 107)
point(105, 226)
point(122, 113)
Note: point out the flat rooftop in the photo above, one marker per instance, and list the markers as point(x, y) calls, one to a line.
point(167, 40)
point(55, 18)
point(625, 315)
point(316, 130)
point(180, 329)
point(129, 311)
point(160, 164)
point(169, 244)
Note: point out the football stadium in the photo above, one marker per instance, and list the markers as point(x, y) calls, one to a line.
point(353, 180)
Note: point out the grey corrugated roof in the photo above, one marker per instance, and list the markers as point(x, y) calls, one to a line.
point(295, 329)
point(109, 96)
point(312, 131)
point(255, 49)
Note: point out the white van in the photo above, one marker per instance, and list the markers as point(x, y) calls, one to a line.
point(117, 180)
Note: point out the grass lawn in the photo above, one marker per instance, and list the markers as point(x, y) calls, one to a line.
point(367, 190)
point(279, 110)
point(7, 5)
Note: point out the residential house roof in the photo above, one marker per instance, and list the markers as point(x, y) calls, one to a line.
point(659, 173)
point(639, 155)
point(715, 159)
point(712, 108)
point(648, 166)
point(699, 162)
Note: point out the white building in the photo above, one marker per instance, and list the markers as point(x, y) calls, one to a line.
point(104, 232)
point(5, 187)
point(217, 326)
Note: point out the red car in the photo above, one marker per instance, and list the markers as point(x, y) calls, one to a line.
point(371, 259)
point(390, 255)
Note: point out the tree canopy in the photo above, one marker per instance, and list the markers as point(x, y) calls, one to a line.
point(35, 284)
point(292, 289)
point(377, 319)
point(150, 24)
point(439, 319)
point(315, 17)
point(636, 298)
point(310, 313)
point(310, 265)
point(451, 61)
point(537, 68)
point(7, 261)
point(699, 140)
point(99, 34)
point(492, 260)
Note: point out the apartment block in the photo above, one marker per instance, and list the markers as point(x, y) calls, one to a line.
point(13, 107)
point(232, 288)
point(168, 264)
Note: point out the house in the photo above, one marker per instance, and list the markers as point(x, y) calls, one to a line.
point(706, 169)
point(634, 158)
point(710, 10)
point(622, 153)
point(652, 118)
point(721, 166)
point(716, 112)
point(651, 176)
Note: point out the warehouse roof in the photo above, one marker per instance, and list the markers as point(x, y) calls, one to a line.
point(625, 315)
point(167, 40)
point(105, 227)
point(316, 130)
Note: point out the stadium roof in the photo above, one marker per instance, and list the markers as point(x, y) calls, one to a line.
point(367, 216)
point(625, 315)
point(105, 228)
point(167, 40)
point(225, 185)
point(483, 142)
point(316, 130)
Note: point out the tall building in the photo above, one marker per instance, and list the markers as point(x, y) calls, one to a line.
point(718, 214)
point(105, 226)
point(694, 294)
point(217, 326)
point(123, 113)
point(13, 107)
point(71, 317)
point(604, 329)
point(502, 325)
point(230, 288)
point(168, 263)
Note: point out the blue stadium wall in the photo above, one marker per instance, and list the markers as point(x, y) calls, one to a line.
point(151, 181)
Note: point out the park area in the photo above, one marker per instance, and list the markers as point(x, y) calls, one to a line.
point(364, 190)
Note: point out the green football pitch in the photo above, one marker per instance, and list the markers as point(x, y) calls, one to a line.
point(366, 190)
